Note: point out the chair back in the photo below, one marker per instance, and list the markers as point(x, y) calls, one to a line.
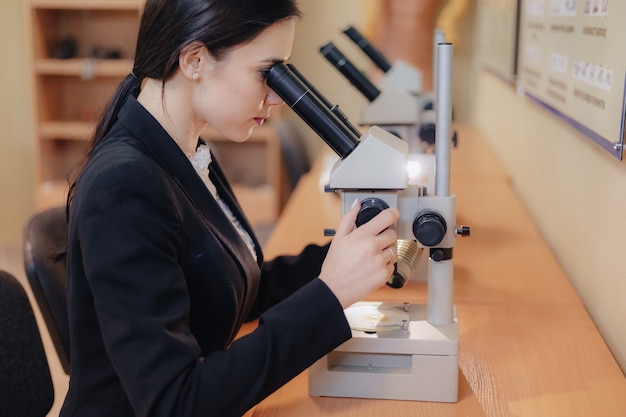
point(293, 150)
point(26, 388)
point(46, 236)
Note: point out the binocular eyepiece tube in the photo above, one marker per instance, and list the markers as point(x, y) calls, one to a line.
point(350, 71)
point(374, 54)
point(335, 132)
point(333, 108)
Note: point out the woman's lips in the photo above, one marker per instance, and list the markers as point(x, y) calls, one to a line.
point(260, 120)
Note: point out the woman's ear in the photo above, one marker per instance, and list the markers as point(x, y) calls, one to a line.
point(193, 59)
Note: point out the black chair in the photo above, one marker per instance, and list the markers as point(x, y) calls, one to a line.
point(293, 150)
point(45, 237)
point(26, 388)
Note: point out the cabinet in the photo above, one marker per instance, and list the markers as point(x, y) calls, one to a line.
point(80, 51)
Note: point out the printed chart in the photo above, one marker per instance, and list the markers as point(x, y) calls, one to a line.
point(572, 61)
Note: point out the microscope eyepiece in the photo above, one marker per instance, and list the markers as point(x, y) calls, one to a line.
point(374, 54)
point(312, 110)
point(333, 108)
point(352, 73)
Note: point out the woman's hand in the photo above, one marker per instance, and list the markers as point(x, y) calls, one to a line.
point(360, 260)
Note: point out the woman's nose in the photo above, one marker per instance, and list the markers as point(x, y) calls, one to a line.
point(273, 99)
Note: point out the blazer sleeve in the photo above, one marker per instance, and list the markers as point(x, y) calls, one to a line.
point(129, 237)
point(283, 275)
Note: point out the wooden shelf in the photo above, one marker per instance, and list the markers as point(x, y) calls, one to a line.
point(79, 131)
point(87, 68)
point(69, 94)
point(88, 4)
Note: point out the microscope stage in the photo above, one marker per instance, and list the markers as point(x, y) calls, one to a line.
point(394, 353)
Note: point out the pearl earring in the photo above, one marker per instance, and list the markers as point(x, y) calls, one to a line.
point(195, 76)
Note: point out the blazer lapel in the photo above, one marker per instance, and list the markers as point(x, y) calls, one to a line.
point(226, 193)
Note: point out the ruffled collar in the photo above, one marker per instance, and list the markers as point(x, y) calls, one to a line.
point(200, 160)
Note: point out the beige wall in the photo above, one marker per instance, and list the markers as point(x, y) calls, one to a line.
point(574, 190)
point(16, 144)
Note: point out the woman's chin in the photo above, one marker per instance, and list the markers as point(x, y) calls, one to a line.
point(239, 135)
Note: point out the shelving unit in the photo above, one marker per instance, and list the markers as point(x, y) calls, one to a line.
point(69, 93)
point(70, 89)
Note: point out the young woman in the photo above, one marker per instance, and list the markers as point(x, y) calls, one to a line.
point(163, 266)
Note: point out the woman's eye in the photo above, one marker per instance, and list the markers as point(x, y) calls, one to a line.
point(265, 72)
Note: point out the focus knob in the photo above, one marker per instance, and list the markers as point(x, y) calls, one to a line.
point(463, 231)
point(429, 228)
point(427, 133)
point(370, 207)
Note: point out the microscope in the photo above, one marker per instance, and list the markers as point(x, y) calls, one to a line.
point(399, 74)
point(396, 110)
point(400, 104)
point(397, 351)
point(401, 108)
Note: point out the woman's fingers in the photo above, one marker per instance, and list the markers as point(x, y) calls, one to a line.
point(380, 222)
point(347, 223)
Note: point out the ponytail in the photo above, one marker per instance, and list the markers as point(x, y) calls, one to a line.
point(129, 85)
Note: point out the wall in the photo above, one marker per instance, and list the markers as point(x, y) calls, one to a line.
point(16, 143)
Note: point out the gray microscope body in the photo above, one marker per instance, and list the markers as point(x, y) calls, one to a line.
point(403, 351)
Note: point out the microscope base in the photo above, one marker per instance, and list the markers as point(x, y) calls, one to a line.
point(386, 361)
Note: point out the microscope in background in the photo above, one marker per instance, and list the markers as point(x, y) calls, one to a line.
point(400, 75)
point(399, 104)
point(396, 110)
point(398, 351)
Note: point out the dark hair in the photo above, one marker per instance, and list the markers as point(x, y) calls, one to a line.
point(168, 26)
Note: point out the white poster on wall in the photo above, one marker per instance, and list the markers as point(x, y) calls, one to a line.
point(572, 61)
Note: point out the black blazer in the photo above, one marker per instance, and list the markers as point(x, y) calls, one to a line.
point(160, 282)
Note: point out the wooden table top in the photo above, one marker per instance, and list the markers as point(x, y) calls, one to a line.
point(527, 344)
point(515, 360)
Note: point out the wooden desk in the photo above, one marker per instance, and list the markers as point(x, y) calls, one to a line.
point(515, 360)
point(473, 158)
point(527, 345)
